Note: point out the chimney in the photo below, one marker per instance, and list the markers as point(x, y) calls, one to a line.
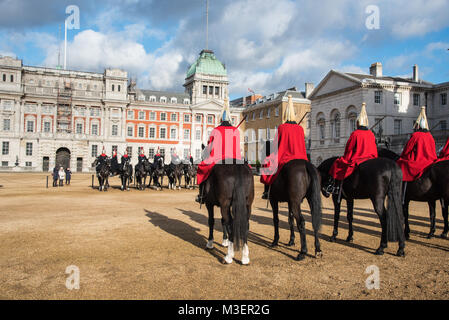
point(308, 89)
point(415, 73)
point(376, 69)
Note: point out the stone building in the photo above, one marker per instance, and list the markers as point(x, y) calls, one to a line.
point(266, 114)
point(392, 104)
point(52, 117)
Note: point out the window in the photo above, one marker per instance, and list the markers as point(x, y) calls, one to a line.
point(322, 130)
point(4, 77)
point(113, 87)
point(186, 134)
point(197, 153)
point(152, 99)
point(12, 78)
point(151, 153)
point(443, 99)
point(186, 153)
point(162, 133)
point(152, 132)
point(211, 90)
point(130, 114)
point(28, 164)
point(114, 130)
point(186, 101)
point(397, 127)
point(443, 125)
point(210, 119)
point(173, 133)
point(163, 116)
point(152, 115)
point(233, 120)
point(79, 128)
point(352, 121)
point(5, 148)
point(261, 114)
point(6, 124)
point(94, 130)
point(162, 152)
point(253, 116)
point(94, 150)
point(217, 91)
point(198, 134)
point(4, 163)
point(276, 111)
point(95, 112)
point(47, 126)
point(129, 150)
point(141, 132)
point(163, 99)
point(114, 149)
point(187, 118)
point(198, 118)
point(130, 131)
point(30, 126)
point(204, 89)
point(335, 127)
point(416, 99)
point(397, 98)
point(118, 88)
point(268, 112)
point(377, 96)
point(141, 115)
point(173, 100)
point(173, 117)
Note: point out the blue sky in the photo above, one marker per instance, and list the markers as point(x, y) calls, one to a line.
point(267, 45)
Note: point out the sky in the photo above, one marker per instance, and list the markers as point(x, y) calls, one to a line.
point(266, 45)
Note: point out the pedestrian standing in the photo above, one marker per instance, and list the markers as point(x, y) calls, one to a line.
point(55, 176)
point(68, 176)
point(61, 177)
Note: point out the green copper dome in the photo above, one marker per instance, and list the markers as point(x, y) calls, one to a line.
point(207, 63)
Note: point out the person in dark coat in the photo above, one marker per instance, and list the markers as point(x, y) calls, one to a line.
point(68, 176)
point(55, 176)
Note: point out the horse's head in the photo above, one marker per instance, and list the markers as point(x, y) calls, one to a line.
point(324, 169)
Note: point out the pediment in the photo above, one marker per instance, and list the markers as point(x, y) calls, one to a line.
point(334, 81)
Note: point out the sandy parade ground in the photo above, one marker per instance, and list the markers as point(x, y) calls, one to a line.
point(151, 245)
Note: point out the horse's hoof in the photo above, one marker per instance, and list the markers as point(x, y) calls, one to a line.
point(379, 252)
point(291, 243)
point(444, 235)
point(127, 189)
point(228, 259)
point(245, 261)
point(400, 252)
point(225, 243)
point(349, 239)
point(210, 244)
point(301, 257)
point(318, 254)
point(430, 235)
point(333, 238)
point(274, 244)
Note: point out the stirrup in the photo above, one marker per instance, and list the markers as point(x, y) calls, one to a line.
point(199, 199)
point(265, 195)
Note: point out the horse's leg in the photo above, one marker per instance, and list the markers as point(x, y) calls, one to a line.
point(291, 242)
point(350, 215)
point(225, 242)
point(337, 206)
point(379, 207)
point(432, 205)
point(295, 210)
point(444, 210)
point(227, 219)
point(275, 209)
point(405, 207)
point(245, 250)
point(210, 240)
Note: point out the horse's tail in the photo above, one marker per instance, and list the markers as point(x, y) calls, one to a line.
point(395, 219)
point(314, 195)
point(239, 209)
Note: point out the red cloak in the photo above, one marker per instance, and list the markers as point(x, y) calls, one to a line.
point(290, 145)
point(418, 154)
point(224, 143)
point(360, 147)
point(444, 153)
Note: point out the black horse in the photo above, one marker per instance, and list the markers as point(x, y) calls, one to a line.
point(433, 185)
point(298, 179)
point(158, 171)
point(141, 172)
point(171, 175)
point(103, 170)
point(374, 179)
point(230, 187)
point(126, 174)
point(190, 171)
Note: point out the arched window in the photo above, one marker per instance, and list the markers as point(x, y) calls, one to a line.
point(321, 126)
point(351, 115)
point(335, 126)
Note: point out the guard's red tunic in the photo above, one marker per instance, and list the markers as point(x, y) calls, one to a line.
point(418, 154)
point(444, 153)
point(360, 147)
point(224, 143)
point(291, 145)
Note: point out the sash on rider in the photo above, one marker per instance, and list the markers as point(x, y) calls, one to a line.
point(224, 143)
point(291, 145)
point(418, 154)
point(360, 147)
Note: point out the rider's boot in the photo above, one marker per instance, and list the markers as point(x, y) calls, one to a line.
point(265, 192)
point(200, 197)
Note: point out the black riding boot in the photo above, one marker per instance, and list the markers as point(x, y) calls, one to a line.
point(200, 196)
point(265, 192)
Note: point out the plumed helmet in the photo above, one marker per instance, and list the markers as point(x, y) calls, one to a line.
point(290, 111)
point(362, 120)
point(226, 116)
point(421, 122)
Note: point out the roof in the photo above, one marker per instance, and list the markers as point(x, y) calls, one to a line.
point(207, 63)
point(158, 94)
point(280, 96)
point(361, 77)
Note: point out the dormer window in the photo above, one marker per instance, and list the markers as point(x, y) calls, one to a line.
point(152, 99)
point(163, 100)
point(173, 100)
point(186, 101)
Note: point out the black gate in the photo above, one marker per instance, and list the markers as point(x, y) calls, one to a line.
point(45, 164)
point(79, 164)
point(62, 158)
